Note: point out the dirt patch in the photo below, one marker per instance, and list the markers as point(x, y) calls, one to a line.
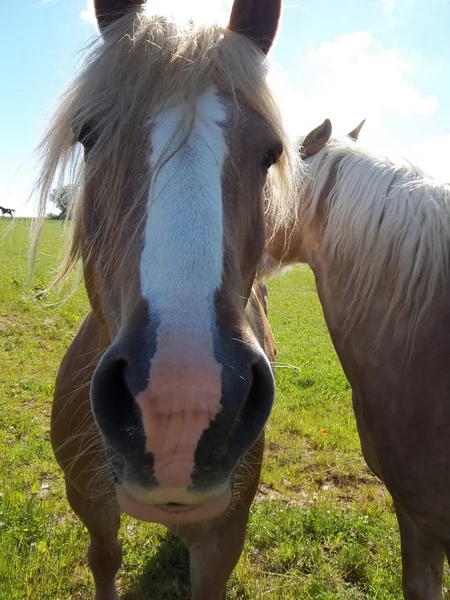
point(273, 446)
point(10, 322)
point(266, 493)
point(47, 485)
point(341, 480)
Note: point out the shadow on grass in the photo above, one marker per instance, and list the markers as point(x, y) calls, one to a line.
point(165, 576)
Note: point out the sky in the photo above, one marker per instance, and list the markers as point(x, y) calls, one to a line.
point(387, 61)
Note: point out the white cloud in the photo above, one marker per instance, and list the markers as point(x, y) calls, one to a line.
point(388, 6)
point(396, 11)
point(431, 154)
point(199, 10)
point(88, 14)
point(348, 79)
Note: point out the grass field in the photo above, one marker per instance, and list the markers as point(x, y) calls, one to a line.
point(322, 526)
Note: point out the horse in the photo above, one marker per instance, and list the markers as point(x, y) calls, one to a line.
point(162, 398)
point(376, 234)
point(7, 211)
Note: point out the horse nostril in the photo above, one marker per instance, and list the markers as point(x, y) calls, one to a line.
point(109, 385)
point(260, 399)
point(114, 406)
point(257, 407)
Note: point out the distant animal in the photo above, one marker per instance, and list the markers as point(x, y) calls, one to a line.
point(162, 398)
point(7, 211)
point(377, 236)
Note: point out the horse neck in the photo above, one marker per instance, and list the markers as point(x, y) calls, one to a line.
point(368, 339)
point(285, 244)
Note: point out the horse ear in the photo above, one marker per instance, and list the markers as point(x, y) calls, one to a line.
point(256, 19)
point(108, 11)
point(316, 139)
point(354, 134)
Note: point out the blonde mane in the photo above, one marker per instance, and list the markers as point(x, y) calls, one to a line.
point(146, 65)
point(388, 223)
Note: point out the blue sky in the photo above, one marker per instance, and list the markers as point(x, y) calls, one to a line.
point(384, 60)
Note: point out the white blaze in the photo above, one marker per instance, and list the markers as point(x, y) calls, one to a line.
point(182, 257)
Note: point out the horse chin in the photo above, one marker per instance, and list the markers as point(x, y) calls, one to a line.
point(173, 514)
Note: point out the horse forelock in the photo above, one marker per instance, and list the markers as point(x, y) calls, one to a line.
point(149, 65)
point(387, 223)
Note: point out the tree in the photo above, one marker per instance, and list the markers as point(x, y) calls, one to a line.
point(61, 197)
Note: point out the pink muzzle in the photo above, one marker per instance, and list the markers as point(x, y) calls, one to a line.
point(179, 403)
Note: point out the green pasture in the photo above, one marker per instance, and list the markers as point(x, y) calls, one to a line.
point(322, 526)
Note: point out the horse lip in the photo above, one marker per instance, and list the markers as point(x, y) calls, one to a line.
point(173, 515)
point(176, 508)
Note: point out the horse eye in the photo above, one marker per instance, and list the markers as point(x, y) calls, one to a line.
point(87, 136)
point(271, 157)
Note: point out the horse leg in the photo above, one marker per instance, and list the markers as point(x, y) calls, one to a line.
point(422, 560)
point(422, 554)
point(80, 452)
point(101, 516)
point(215, 547)
point(214, 556)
